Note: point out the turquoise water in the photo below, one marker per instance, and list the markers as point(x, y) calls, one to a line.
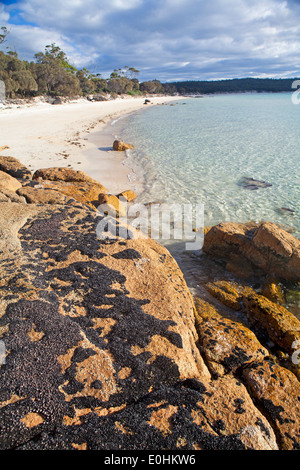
point(200, 149)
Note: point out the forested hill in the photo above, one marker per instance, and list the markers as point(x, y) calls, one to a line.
point(235, 86)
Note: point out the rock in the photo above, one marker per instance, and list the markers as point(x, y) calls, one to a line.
point(83, 192)
point(226, 345)
point(96, 98)
point(15, 168)
point(281, 325)
point(12, 217)
point(259, 249)
point(250, 183)
point(57, 100)
point(4, 147)
point(63, 174)
point(273, 292)
point(227, 410)
point(129, 195)
point(286, 210)
point(8, 187)
point(110, 204)
point(270, 239)
point(277, 391)
point(10, 196)
point(3, 197)
point(90, 337)
point(120, 146)
point(204, 413)
point(231, 294)
point(43, 196)
point(8, 182)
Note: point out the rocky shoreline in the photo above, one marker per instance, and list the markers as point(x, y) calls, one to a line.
point(105, 348)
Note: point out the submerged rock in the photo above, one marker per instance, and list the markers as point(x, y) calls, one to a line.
point(251, 183)
point(286, 210)
point(274, 292)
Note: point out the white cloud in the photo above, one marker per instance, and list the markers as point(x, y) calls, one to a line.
point(241, 37)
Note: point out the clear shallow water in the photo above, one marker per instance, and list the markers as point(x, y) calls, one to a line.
point(199, 150)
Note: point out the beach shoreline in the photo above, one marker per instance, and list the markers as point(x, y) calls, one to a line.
point(73, 135)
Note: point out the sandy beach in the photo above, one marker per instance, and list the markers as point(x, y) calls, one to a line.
point(77, 135)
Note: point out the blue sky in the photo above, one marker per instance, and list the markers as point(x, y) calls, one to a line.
point(165, 39)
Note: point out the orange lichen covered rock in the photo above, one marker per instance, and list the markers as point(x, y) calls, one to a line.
point(43, 196)
point(128, 195)
point(263, 248)
point(228, 293)
point(121, 146)
point(62, 174)
point(226, 345)
point(110, 204)
point(83, 192)
point(282, 326)
point(277, 391)
point(15, 168)
point(8, 182)
point(273, 292)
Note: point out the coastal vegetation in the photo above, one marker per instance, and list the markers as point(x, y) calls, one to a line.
point(51, 74)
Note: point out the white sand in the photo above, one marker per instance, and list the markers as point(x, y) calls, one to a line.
point(45, 135)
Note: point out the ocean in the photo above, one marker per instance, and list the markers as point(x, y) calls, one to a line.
point(209, 150)
point(238, 155)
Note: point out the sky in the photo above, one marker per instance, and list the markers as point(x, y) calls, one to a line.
point(167, 40)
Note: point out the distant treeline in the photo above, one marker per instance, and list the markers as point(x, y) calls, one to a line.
point(236, 85)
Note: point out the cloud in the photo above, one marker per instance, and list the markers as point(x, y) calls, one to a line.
point(173, 39)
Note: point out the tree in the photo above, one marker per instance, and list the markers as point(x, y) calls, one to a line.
point(86, 81)
point(152, 86)
point(120, 85)
point(16, 75)
point(3, 34)
point(25, 83)
point(55, 75)
point(131, 72)
point(124, 80)
point(127, 72)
